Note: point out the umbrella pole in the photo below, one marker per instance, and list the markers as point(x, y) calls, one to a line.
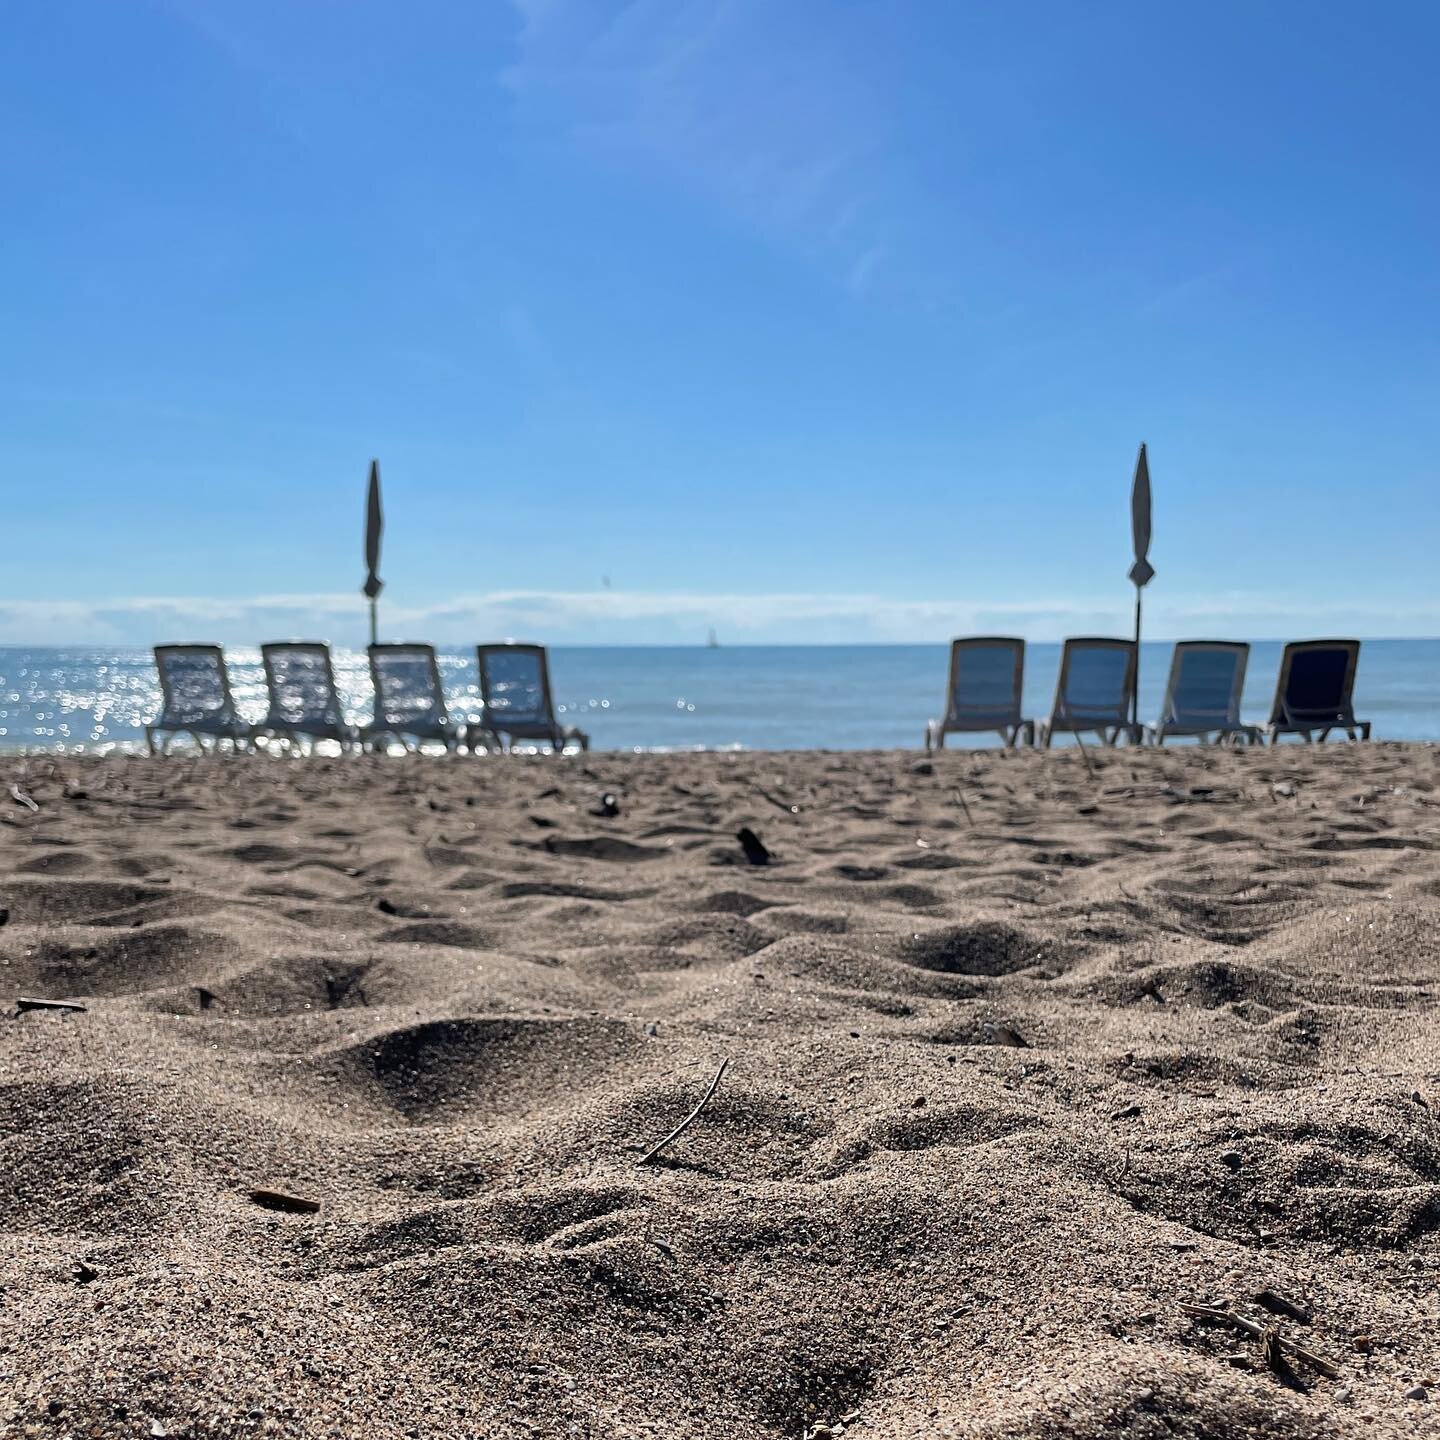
point(374, 640)
point(1135, 688)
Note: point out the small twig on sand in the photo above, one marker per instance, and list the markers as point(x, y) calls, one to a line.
point(779, 804)
point(1259, 1332)
point(21, 798)
point(685, 1124)
point(969, 819)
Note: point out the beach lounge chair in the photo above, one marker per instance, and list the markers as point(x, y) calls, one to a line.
point(1313, 691)
point(409, 699)
point(1202, 696)
point(986, 676)
point(1092, 692)
point(303, 700)
point(515, 689)
point(195, 699)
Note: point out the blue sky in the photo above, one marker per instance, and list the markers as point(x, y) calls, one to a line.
point(811, 321)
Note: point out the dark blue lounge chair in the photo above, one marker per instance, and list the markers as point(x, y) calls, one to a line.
point(987, 674)
point(1314, 689)
point(1202, 698)
point(409, 699)
point(195, 699)
point(1092, 692)
point(515, 689)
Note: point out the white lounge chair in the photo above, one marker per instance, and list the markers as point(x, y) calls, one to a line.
point(1092, 692)
point(195, 699)
point(409, 699)
point(304, 702)
point(1313, 691)
point(518, 704)
point(987, 675)
point(1202, 696)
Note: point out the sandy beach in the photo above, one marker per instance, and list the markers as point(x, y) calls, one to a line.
point(1025, 1055)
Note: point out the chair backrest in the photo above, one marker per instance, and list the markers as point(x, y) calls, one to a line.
point(194, 685)
point(407, 684)
point(1207, 680)
point(1094, 681)
point(987, 675)
point(301, 682)
point(1316, 680)
point(515, 684)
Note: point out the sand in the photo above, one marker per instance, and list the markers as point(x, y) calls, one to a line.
point(1024, 1055)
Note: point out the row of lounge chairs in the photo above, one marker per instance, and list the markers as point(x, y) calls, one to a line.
point(304, 705)
point(987, 674)
point(1202, 696)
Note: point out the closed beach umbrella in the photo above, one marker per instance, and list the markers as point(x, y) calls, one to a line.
point(1141, 572)
point(374, 526)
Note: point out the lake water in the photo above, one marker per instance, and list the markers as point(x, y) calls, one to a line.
point(747, 697)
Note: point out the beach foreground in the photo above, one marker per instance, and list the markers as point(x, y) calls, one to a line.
point(1025, 1054)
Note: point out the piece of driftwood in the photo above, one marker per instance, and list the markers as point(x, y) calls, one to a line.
point(1006, 1035)
point(685, 1124)
point(23, 1004)
point(1258, 1332)
point(280, 1200)
point(21, 798)
point(1278, 1304)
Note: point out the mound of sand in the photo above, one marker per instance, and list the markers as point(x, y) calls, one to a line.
point(1026, 1055)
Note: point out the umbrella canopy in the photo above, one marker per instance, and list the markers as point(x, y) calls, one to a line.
point(1141, 572)
point(374, 526)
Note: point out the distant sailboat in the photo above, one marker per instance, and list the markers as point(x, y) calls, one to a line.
point(713, 642)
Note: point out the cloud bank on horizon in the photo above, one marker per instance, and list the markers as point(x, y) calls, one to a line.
point(615, 617)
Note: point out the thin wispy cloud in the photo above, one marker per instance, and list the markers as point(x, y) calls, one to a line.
point(712, 98)
point(616, 617)
point(862, 272)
